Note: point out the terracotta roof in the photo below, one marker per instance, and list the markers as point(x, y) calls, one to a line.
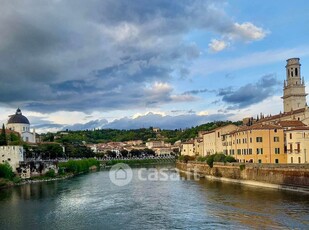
point(255, 127)
point(188, 142)
point(291, 123)
point(298, 128)
point(282, 115)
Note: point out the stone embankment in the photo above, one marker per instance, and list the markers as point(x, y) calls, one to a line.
point(280, 176)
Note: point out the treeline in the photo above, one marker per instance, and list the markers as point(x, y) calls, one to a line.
point(78, 166)
point(107, 135)
point(55, 150)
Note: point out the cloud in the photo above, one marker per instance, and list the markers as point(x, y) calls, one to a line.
point(208, 66)
point(249, 94)
point(217, 45)
point(166, 122)
point(103, 55)
point(198, 91)
point(150, 119)
point(247, 32)
point(94, 124)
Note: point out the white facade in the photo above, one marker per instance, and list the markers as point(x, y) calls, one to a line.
point(21, 124)
point(294, 95)
point(12, 154)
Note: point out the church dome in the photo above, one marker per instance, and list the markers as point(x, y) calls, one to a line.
point(18, 118)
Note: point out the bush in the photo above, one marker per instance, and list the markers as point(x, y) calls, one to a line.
point(242, 167)
point(50, 173)
point(79, 166)
point(230, 159)
point(210, 160)
point(219, 157)
point(201, 159)
point(6, 171)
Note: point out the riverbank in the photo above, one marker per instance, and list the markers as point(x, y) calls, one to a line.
point(274, 176)
point(139, 162)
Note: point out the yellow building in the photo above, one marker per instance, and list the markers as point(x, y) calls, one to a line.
point(187, 148)
point(297, 145)
point(256, 144)
point(213, 140)
point(198, 146)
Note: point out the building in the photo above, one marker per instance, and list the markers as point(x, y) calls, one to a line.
point(297, 145)
point(19, 123)
point(256, 144)
point(187, 148)
point(294, 95)
point(155, 144)
point(198, 146)
point(212, 140)
point(12, 155)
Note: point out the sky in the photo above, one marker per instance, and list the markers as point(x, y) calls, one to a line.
point(75, 64)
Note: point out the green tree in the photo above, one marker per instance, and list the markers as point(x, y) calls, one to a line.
point(6, 171)
point(3, 140)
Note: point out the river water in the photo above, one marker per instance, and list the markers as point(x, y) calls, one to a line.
point(92, 201)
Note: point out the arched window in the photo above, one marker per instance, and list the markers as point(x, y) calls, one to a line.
point(296, 72)
point(291, 72)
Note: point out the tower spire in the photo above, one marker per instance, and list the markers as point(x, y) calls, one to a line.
point(294, 95)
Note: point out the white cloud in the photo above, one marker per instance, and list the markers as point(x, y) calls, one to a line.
point(217, 45)
point(203, 113)
point(248, 32)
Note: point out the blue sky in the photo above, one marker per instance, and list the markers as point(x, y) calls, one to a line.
point(129, 64)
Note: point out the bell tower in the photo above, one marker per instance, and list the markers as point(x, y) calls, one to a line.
point(294, 94)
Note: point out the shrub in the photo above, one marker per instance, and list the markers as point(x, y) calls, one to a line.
point(210, 160)
point(50, 173)
point(6, 171)
point(78, 166)
point(219, 157)
point(201, 159)
point(230, 159)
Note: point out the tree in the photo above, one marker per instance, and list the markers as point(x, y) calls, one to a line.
point(3, 140)
point(6, 171)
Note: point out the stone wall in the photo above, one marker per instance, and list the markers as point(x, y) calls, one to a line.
point(280, 174)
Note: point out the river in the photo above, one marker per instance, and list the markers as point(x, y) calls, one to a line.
point(92, 201)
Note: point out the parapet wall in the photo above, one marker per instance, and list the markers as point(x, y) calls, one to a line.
point(280, 174)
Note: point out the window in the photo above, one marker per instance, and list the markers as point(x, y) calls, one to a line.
point(238, 151)
point(250, 151)
point(260, 161)
point(259, 151)
point(299, 160)
point(292, 160)
point(277, 150)
point(276, 161)
point(259, 139)
point(291, 147)
point(276, 139)
point(290, 135)
point(250, 139)
point(296, 72)
point(218, 134)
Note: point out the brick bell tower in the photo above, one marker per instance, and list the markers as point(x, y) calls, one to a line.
point(294, 94)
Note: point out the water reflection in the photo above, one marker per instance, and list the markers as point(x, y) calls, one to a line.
point(92, 201)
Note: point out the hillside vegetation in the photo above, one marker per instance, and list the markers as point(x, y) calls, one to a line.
point(116, 135)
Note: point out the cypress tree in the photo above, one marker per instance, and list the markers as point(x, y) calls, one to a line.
point(3, 140)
